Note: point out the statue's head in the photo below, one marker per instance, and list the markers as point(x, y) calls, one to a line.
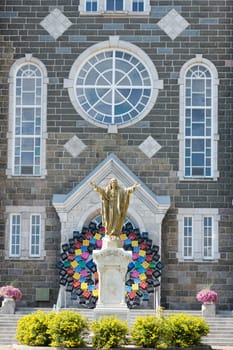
point(114, 183)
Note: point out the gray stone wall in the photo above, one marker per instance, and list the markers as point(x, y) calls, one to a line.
point(209, 33)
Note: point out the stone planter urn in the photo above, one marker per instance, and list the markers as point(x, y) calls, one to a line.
point(8, 305)
point(10, 295)
point(208, 298)
point(208, 309)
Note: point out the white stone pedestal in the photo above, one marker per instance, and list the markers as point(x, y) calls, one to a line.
point(208, 310)
point(112, 264)
point(8, 306)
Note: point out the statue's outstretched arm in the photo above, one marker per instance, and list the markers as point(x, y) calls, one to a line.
point(98, 189)
point(93, 184)
point(132, 188)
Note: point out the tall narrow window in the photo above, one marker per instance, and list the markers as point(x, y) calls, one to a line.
point(198, 120)
point(114, 5)
point(188, 237)
point(27, 118)
point(35, 235)
point(91, 5)
point(15, 235)
point(208, 237)
point(28, 121)
point(138, 6)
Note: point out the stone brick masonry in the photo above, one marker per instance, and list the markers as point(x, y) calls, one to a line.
point(208, 32)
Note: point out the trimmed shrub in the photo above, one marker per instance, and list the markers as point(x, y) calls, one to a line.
point(149, 331)
point(32, 329)
point(109, 332)
point(185, 330)
point(67, 328)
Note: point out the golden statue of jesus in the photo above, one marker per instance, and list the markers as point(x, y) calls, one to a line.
point(115, 203)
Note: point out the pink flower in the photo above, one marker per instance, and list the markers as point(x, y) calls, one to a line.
point(207, 296)
point(10, 291)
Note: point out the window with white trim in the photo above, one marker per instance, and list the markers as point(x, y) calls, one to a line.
point(198, 120)
point(91, 6)
point(138, 5)
point(115, 7)
point(208, 237)
point(27, 118)
point(35, 237)
point(15, 235)
point(27, 229)
point(113, 84)
point(188, 237)
point(198, 234)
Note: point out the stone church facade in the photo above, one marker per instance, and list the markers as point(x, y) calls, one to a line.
point(138, 90)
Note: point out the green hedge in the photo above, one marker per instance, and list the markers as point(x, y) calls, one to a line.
point(65, 328)
point(109, 332)
point(180, 331)
point(185, 330)
point(68, 328)
point(148, 331)
point(32, 329)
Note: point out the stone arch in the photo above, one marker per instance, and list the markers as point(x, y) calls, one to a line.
point(74, 208)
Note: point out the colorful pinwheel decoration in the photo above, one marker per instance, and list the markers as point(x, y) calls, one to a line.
point(78, 271)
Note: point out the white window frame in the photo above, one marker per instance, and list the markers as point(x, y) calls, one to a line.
point(113, 44)
point(11, 125)
point(12, 234)
point(127, 9)
point(91, 1)
point(33, 227)
point(25, 214)
point(188, 236)
point(198, 216)
point(199, 60)
point(115, 4)
point(138, 2)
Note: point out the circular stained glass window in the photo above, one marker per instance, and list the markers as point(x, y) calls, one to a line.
point(113, 86)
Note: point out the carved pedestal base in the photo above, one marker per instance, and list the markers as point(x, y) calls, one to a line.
point(112, 264)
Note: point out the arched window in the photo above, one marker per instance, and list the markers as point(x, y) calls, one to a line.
point(27, 118)
point(113, 84)
point(198, 120)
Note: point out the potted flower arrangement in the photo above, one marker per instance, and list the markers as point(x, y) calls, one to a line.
point(11, 292)
point(208, 298)
point(10, 295)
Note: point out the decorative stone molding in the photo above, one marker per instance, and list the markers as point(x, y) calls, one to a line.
point(149, 146)
point(82, 204)
point(56, 23)
point(74, 146)
point(173, 24)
